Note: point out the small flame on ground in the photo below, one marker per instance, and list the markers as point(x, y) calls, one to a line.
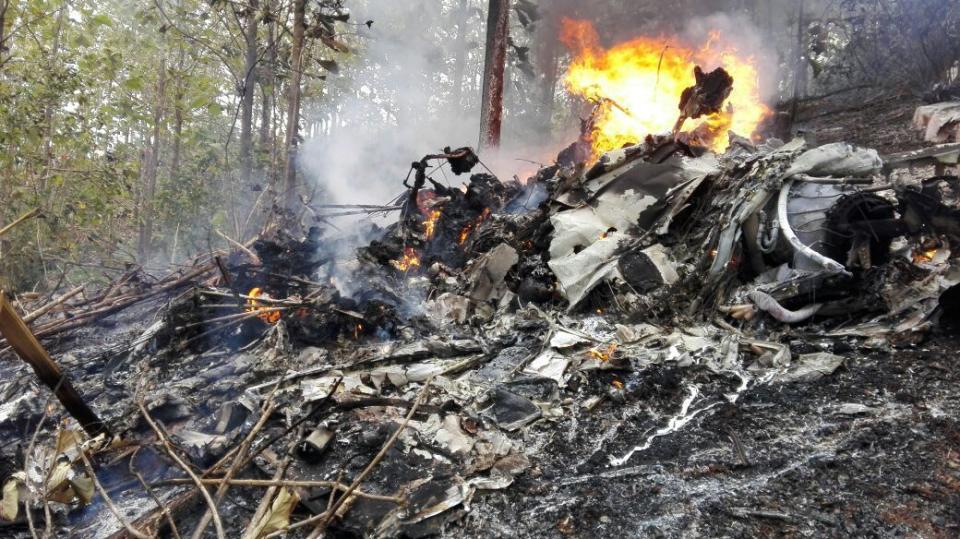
point(603, 355)
point(639, 83)
point(617, 384)
point(254, 306)
point(410, 259)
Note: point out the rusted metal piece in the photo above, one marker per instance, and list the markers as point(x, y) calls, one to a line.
point(20, 338)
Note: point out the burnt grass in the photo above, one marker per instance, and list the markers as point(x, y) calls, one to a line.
point(815, 467)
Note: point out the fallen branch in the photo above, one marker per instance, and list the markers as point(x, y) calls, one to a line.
point(29, 349)
point(111, 305)
point(46, 308)
point(246, 250)
point(32, 213)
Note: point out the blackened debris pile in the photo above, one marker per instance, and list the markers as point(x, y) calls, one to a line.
point(589, 316)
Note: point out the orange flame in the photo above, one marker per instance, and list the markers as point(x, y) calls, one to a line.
point(430, 224)
point(425, 203)
point(267, 314)
point(467, 230)
point(922, 256)
point(410, 259)
point(603, 355)
point(641, 81)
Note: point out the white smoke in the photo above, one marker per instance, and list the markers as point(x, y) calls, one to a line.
point(391, 101)
point(388, 114)
point(748, 40)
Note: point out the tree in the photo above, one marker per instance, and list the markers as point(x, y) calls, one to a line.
point(290, 188)
point(491, 104)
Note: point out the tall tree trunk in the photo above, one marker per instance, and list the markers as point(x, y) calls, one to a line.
point(4, 48)
point(495, 58)
point(49, 107)
point(151, 160)
point(249, 85)
point(547, 60)
point(178, 115)
point(290, 187)
point(267, 88)
point(460, 53)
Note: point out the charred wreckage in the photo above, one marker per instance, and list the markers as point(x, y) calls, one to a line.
point(304, 384)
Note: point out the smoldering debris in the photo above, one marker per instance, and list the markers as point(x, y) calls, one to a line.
point(660, 286)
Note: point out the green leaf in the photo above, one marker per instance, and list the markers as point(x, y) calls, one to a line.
point(101, 20)
point(134, 83)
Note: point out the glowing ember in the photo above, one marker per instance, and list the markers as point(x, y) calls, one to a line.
point(617, 384)
point(410, 260)
point(603, 355)
point(267, 314)
point(640, 83)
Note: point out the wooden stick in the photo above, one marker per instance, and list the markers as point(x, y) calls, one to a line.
point(46, 308)
point(32, 213)
point(253, 256)
point(20, 338)
point(246, 314)
point(268, 494)
point(217, 523)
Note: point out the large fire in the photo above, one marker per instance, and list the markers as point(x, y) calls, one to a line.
point(638, 84)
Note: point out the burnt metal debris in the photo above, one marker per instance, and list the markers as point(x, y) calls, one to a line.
point(383, 388)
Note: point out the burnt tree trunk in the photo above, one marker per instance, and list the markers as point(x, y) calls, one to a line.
point(249, 85)
point(151, 160)
point(289, 191)
point(495, 57)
